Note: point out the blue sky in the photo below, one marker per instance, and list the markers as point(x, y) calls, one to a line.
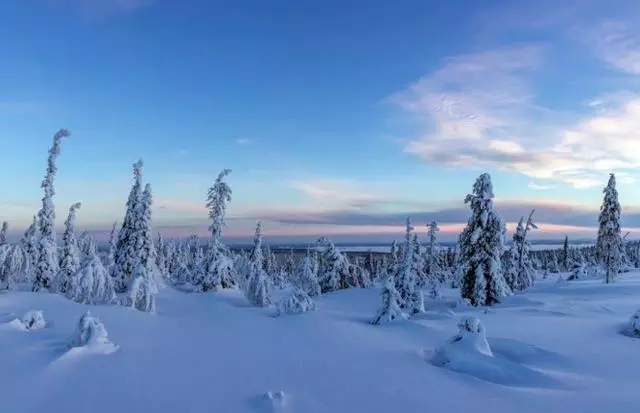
point(337, 117)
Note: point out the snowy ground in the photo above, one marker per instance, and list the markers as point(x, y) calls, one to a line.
point(556, 349)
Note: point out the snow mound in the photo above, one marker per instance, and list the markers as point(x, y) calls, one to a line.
point(34, 320)
point(468, 352)
point(632, 328)
point(276, 402)
point(297, 303)
point(91, 334)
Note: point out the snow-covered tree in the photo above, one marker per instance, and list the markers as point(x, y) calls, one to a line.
point(29, 244)
point(161, 257)
point(219, 271)
point(92, 284)
point(307, 276)
point(521, 265)
point(609, 239)
point(141, 290)
point(258, 288)
point(296, 303)
point(91, 332)
point(433, 268)
point(127, 252)
point(47, 255)
point(565, 257)
point(406, 276)
point(111, 254)
point(3, 233)
point(391, 304)
point(70, 257)
point(148, 256)
point(481, 245)
point(14, 265)
point(334, 271)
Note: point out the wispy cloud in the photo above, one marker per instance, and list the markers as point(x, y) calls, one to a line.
point(539, 187)
point(617, 42)
point(101, 9)
point(244, 141)
point(481, 112)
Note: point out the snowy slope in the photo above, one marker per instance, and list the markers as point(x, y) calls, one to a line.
point(556, 349)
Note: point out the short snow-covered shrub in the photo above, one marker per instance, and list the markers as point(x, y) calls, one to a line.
point(298, 302)
point(34, 320)
point(633, 326)
point(89, 331)
point(471, 339)
point(391, 304)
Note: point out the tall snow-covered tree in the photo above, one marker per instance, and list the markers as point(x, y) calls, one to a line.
point(148, 253)
point(70, 257)
point(3, 233)
point(111, 254)
point(406, 276)
point(609, 239)
point(219, 270)
point(334, 272)
point(481, 244)
point(161, 257)
point(258, 288)
point(14, 265)
point(47, 254)
point(127, 252)
point(565, 254)
point(520, 273)
point(433, 268)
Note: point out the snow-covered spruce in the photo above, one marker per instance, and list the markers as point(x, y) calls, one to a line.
point(258, 287)
point(481, 245)
point(3, 233)
point(127, 251)
point(140, 292)
point(471, 338)
point(29, 244)
point(609, 241)
point(219, 271)
point(391, 304)
point(296, 303)
point(15, 265)
point(307, 276)
point(111, 254)
point(90, 332)
point(333, 273)
point(406, 276)
point(70, 255)
point(46, 265)
point(34, 320)
point(92, 284)
point(148, 250)
point(519, 272)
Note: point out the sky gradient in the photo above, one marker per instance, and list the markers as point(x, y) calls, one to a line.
point(338, 118)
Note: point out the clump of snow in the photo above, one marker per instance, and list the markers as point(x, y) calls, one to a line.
point(471, 338)
point(34, 320)
point(90, 332)
point(633, 326)
point(297, 303)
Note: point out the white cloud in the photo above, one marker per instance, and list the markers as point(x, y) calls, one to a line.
point(244, 141)
point(337, 192)
point(481, 113)
point(616, 42)
point(539, 187)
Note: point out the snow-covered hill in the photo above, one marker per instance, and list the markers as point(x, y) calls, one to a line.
point(556, 348)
